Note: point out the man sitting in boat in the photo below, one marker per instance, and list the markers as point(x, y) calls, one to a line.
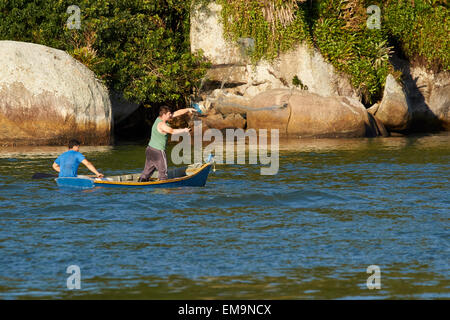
point(155, 154)
point(67, 163)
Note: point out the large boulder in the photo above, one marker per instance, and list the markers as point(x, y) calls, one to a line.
point(275, 118)
point(427, 94)
point(226, 103)
point(394, 111)
point(316, 74)
point(309, 115)
point(47, 97)
point(218, 121)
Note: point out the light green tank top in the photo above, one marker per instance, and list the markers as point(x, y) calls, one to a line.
point(158, 140)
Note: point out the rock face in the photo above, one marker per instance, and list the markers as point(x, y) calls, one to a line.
point(421, 103)
point(207, 34)
point(439, 104)
point(230, 66)
point(427, 94)
point(394, 111)
point(228, 103)
point(47, 97)
point(310, 115)
point(327, 105)
point(217, 121)
point(429, 98)
point(271, 119)
point(380, 129)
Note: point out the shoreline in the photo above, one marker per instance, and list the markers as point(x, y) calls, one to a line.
point(285, 144)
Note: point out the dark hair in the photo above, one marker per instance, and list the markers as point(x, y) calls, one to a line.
point(73, 143)
point(164, 110)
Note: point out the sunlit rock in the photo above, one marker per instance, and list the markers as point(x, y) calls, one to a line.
point(47, 97)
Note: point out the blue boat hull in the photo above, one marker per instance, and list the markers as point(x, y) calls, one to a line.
point(82, 183)
point(197, 179)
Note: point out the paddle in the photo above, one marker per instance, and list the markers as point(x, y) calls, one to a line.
point(40, 175)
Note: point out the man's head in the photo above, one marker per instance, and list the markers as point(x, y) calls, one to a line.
point(165, 113)
point(74, 145)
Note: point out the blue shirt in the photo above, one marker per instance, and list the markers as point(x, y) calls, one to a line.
point(68, 163)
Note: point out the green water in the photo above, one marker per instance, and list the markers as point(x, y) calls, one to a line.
point(309, 232)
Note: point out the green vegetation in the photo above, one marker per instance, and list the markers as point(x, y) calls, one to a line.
point(421, 28)
point(298, 83)
point(338, 28)
point(138, 47)
point(275, 28)
point(340, 32)
point(141, 47)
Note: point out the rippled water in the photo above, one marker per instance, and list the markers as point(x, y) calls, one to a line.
point(334, 208)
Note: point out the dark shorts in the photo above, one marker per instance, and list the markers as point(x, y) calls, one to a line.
point(154, 160)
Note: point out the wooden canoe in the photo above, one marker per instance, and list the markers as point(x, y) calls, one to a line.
point(190, 176)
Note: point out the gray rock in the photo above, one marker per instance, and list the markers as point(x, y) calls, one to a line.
point(228, 62)
point(217, 121)
point(207, 34)
point(229, 103)
point(429, 99)
point(376, 127)
point(47, 97)
point(373, 109)
point(428, 96)
point(394, 111)
point(439, 104)
point(310, 115)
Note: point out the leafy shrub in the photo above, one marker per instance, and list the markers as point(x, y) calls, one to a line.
point(341, 34)
point(141, 47)
point(138, 47)
point(338, 29)
point(421, 28)
point(276, 26)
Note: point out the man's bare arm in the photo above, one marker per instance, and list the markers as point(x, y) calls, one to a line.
point(56, 167)
point(183, 111)
point(164, 128)
point(91, 167)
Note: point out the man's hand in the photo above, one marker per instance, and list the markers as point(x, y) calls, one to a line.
point(91, 167)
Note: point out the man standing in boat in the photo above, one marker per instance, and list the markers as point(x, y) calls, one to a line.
point(67, 163)
point(155, 154)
